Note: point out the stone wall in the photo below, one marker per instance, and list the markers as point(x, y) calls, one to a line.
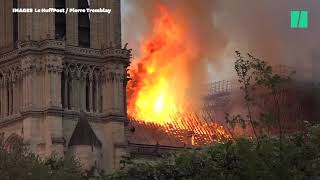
point(33, 69)
point(88, 156)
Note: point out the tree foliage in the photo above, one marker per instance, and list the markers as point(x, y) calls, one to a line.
point(236, 159)
point(258, 81)
point(18, 163)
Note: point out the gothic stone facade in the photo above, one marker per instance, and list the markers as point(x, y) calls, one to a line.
point(52, 67)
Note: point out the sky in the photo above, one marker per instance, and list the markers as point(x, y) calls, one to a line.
point(259, 27)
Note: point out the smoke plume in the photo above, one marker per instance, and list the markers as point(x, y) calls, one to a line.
point(200, 32)
point(220, 27)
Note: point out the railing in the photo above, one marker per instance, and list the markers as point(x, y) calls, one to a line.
point(60, 45)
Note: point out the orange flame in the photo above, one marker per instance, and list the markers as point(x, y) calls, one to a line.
point(161, 77)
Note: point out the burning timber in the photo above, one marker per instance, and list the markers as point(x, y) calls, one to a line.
point(158, 93)
point(186, 129)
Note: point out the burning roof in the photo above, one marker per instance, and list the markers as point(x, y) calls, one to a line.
point(159, 98)
point(186, 129)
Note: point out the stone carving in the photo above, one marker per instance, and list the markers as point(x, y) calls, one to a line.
point(45, 83)
point(41, 46)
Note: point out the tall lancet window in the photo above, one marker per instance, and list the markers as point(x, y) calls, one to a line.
point(8, 97)
point(60, 21)
point(15, 22)
point(84, 24)
point(88, 105)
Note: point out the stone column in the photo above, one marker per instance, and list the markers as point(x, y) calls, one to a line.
point(53, 80)
point(75, 92)
point(6, 28)
point(36, 23)
point(109, 25)
point(125, 94)
point(107, 93)
point(26, 87)
point(17, 100)
point(21, 22)
point(10, 97)
point(72, 24)
point(72, 92)
point(51, 20)
point(30, 88)
point(82, 93)
point(1, 98)
point(57, 89)
point(90, 93)
point(110, 88)
point(5, 98)
point(29, 25)
point(20, 91)
point(23, 87)
point(97, 94)
point(115, 92)
point(14, 96)
point(115, 89)
point(120, 93)
point(53, 88)
point(3, 27)
point(25, 90)
point(116, 23)
point(122, 90)
point(94, 29)
point(65, 90)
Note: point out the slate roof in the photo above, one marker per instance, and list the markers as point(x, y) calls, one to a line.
point(83, 134)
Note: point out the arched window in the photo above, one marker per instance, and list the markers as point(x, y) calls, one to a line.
point(15, 23)
point(11, 141)
point(83, 24)
point(60, 21)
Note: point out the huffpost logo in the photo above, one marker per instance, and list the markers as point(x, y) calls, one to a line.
point(299, 19)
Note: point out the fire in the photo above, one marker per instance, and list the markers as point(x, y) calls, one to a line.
point(160, 79)
point(161, 76)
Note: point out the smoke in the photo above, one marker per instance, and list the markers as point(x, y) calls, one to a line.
point(197, 15)
point(220, 27)
point(263, 29)
point(197, 18)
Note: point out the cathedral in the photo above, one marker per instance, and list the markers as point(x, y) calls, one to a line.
point(63, 81)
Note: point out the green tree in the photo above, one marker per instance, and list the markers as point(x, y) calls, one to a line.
point(257, 78)
point(18, 163)
point(235, 159)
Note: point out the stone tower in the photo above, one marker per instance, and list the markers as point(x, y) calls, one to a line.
point(54, 66)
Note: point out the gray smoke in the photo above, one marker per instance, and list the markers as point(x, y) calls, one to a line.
point(220, 27)
point(263, 29)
